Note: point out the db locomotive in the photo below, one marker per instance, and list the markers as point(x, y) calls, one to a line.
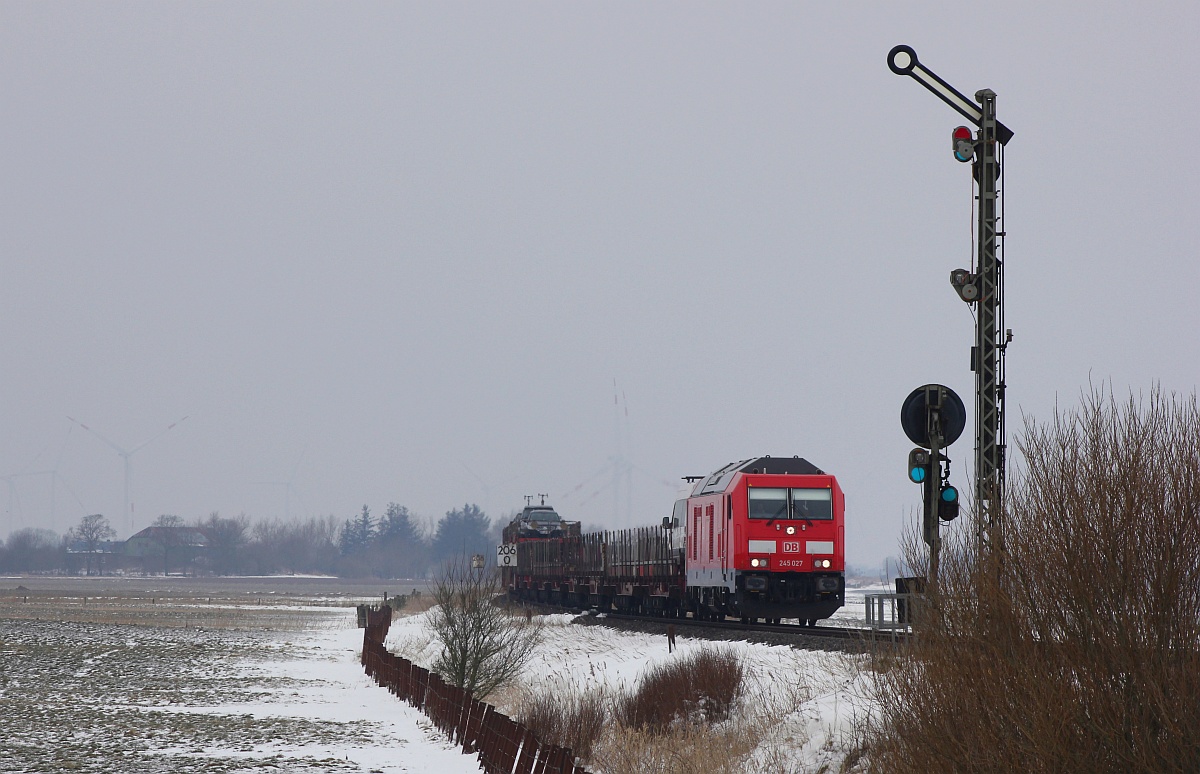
point(759, 539)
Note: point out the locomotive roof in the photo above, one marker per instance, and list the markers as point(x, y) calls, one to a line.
point(796, 466)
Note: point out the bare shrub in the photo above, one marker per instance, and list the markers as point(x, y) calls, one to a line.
point(483, 646)
point(1079, 650)
point(698, 688)
point(565, 718)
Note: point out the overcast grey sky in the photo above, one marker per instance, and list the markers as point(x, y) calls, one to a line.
point(401, 251)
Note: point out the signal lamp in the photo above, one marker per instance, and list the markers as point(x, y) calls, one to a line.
point(948, 503)
point(918, 466)
point(964, 144)
point(965, 284)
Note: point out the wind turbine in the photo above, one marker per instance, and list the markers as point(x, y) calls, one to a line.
point(619, 468)
point(622, 466)
point(13, 497)
point(11, 480)
point(54, 477)
point(127, 456)
point(288, 488)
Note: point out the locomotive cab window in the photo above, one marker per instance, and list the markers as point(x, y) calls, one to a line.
point(812, 504)
point(768, 503)
point(773, 503)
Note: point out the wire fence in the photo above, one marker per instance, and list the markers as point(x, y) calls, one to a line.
point(504, 746)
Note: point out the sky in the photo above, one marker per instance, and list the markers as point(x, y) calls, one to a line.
point(439, 253)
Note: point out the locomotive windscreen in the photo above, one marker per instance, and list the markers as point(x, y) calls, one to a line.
point(768, 502)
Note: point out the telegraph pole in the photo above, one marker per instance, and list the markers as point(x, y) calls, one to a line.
point(984, 288)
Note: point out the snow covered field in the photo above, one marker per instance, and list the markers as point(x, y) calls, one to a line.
point(809, 702)
point(111, 697)
point(113, 684)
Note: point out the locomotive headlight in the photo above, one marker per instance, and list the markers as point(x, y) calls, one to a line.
point(791, 530)
point(758, 562)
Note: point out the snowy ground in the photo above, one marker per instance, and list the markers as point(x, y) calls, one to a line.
point(105, 697)
point(813, 700)
point(108, 683)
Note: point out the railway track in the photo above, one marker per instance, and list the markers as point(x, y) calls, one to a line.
point(842, 633)
point(852, 639)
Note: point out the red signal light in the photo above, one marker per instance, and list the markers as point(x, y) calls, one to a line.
point(964, 143)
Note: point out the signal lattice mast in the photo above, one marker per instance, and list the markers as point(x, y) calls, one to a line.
point(983, 288)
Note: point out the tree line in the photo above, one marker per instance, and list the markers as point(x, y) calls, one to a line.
point(395, 544)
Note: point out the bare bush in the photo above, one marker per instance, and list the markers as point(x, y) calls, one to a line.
point(483, 646)
point(566, 718)
point(1079, 650)
point(694, 689)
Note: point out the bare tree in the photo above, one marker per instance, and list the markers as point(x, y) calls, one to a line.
point(33, 550)
point(93, 530)
point(1080, 651)
point(484, 646)
point(226, 538)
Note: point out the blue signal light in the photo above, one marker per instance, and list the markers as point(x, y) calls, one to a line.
point(964, 144)
point(918, 466)
point(947, 506)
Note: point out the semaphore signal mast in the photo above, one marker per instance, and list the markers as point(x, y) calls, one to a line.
point(984, 288)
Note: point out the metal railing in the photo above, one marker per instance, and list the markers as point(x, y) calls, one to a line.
point(892, 612)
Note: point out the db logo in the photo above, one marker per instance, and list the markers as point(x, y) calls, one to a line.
point(790, 547)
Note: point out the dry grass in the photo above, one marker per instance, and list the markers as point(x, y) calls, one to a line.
point(685, 750)
point(706, 713)
point(686, 715)
point(566, 718)
point(415, 604)
point(1080, 651)
point(695, 689)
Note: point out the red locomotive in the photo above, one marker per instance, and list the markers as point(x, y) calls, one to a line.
point(758, 539)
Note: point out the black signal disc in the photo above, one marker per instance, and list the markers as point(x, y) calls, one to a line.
point(913, 416)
